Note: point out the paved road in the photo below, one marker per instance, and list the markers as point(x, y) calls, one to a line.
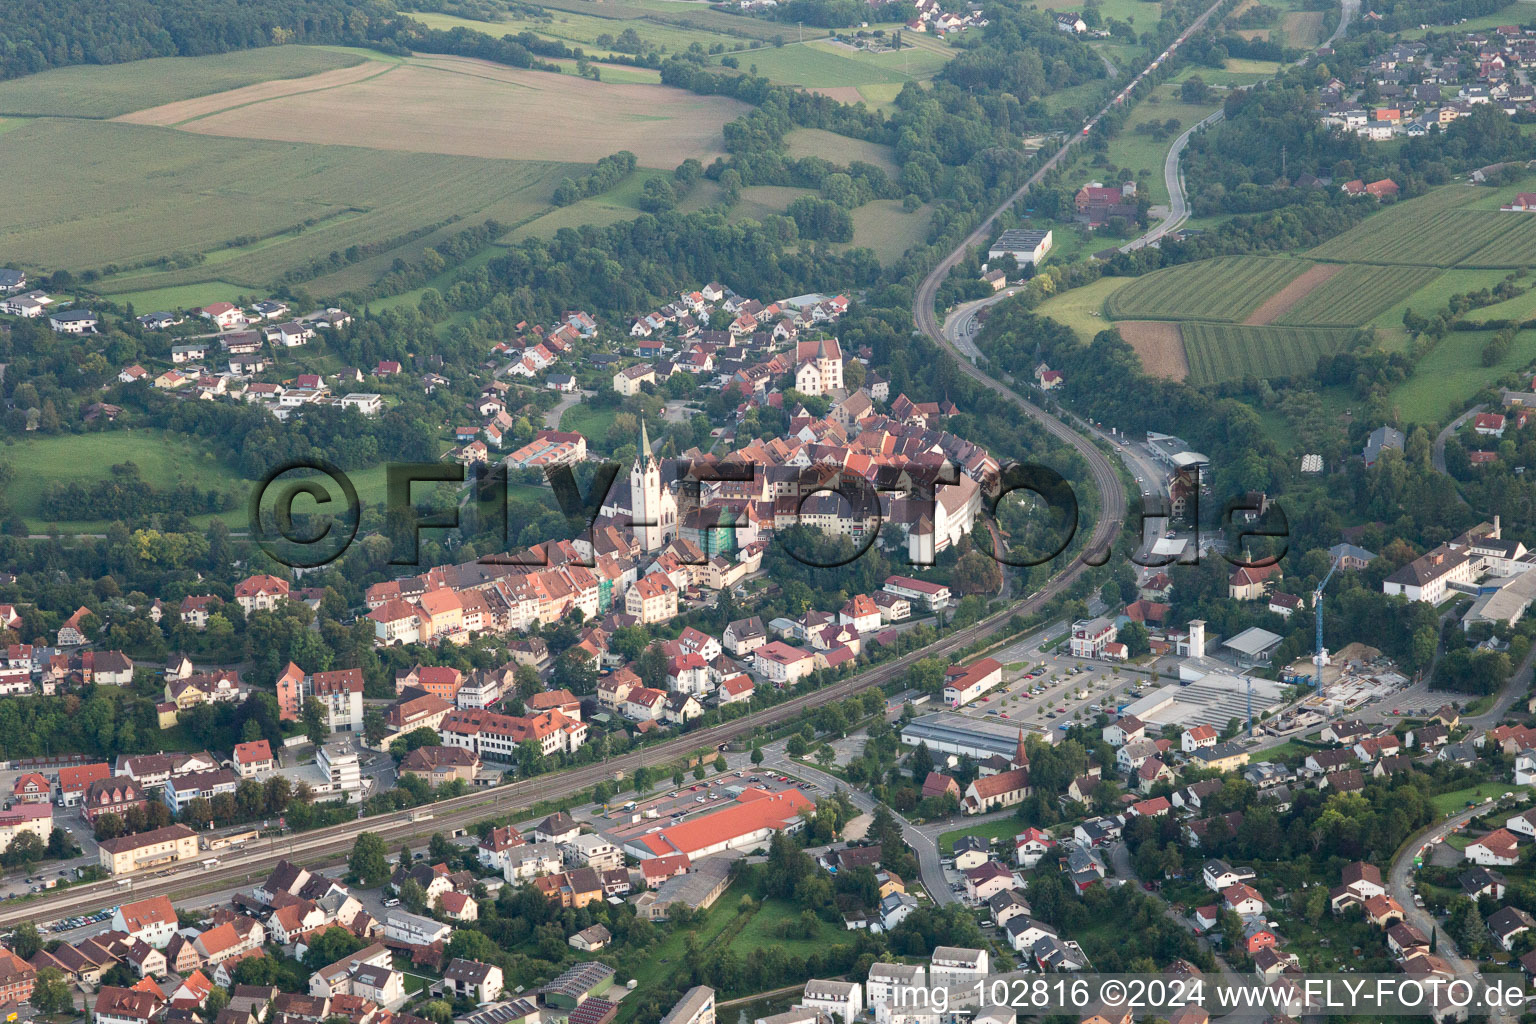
point(925, 318)
point(1397, 886)
point(1346, 15)
point(1437, 453)
point(1401, 871)
point(1173, 176)
point(1120, 860)
point(331, 844)
point(552, 417)
point(930, 867)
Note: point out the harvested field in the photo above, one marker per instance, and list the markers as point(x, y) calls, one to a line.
point(467, 107)
point(1302, 28)
point(841, 93)
point(1159, 346)
point(182, 111)
point(1280, 303)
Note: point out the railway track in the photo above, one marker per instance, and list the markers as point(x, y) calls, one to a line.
point(332, 844)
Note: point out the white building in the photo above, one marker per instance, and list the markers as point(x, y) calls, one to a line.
point(152, 921)
point(964, 683)
point(843, 999)
point(886, 980)
point(1091, 636)
point(957, 964)
point(402, 926)
point(1023, 244)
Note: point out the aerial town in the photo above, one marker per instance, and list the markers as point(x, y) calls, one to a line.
point(766, 512)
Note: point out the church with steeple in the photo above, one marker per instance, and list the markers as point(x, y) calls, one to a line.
point(649, 504)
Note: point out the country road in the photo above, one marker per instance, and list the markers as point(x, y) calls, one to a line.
point(1173, 176)
point(1437, 450)
point(925, 318)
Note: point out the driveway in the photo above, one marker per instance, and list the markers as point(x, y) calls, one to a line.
point(552, 417)
point(1437, 453)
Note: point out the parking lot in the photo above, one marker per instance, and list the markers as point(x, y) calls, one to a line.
point(1042, 690)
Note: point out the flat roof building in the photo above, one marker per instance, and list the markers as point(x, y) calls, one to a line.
point(1253, 646)
point(1025, 245)
point(948, 733)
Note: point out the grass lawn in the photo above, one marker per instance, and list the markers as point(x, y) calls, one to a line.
point(163, 460)
point(441, 281)
point(1453, 371)
point(758, 201)
point(1432, 297)
point(1235, 72)
point(1140, 151)
point(820, 64)
point(186, 296)
point(1521, 307)
point(761, 931)
point(1083, 98)
point(1517, 11)
point(840, 149)
point(589, 422)
point(1082, 308)
point(1071, 241)
point(619, 73)
point(584, 29)
point(1286, 751)
point(622, 202)
point(668, 954)
point(1137, 12)
point(884, 226)
point(1447, 804)
point(1002, 828)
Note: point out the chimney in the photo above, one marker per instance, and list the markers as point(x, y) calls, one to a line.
point(1197, 638)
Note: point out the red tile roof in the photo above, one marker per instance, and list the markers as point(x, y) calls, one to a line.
point(756, 809)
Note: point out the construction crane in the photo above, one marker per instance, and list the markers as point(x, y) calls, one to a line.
point(1320, 658)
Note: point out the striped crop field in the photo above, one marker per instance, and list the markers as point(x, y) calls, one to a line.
point(1228, 352)
point(1355, 294)
point(1225, 289)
